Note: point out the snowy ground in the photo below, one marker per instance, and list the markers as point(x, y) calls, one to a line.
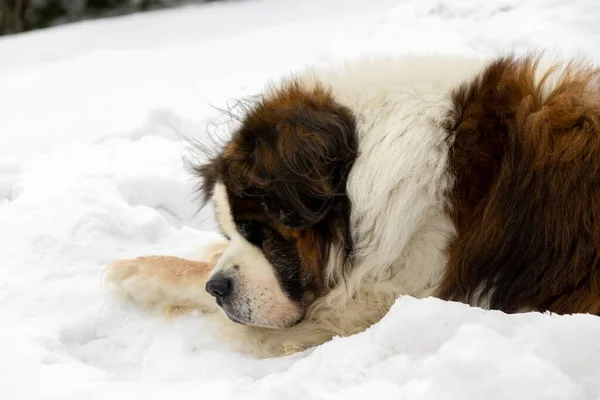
point(91, 171)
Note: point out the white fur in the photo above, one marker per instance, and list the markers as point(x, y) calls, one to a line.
point(398, 184)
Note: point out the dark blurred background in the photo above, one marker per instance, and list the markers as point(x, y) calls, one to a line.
point(25, 15)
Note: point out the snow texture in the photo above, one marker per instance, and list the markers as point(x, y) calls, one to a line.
point(91, 171)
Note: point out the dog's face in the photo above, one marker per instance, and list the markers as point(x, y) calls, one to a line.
point(278, 191)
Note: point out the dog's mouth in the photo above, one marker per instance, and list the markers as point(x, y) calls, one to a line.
point(233, 313)
point(244, 316)
point(232, 318)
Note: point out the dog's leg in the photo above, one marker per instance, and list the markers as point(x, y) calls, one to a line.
point(168, 283)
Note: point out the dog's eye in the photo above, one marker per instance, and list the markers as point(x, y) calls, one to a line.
point(252, 231)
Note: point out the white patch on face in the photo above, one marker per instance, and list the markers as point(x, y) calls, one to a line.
point(257, 297)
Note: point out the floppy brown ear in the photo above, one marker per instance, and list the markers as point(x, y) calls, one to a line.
point(291, 154)
point(316, 146)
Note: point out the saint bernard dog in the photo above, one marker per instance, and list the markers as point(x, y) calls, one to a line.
point(343, 188)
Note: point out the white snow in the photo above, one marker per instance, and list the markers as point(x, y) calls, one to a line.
point(91, 171)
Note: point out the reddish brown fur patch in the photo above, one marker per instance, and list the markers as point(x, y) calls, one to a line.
point(527, 198)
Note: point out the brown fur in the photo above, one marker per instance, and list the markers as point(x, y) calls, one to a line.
point(293, 152)
point(527, 198)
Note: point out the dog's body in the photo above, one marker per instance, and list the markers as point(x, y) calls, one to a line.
point(427, 176)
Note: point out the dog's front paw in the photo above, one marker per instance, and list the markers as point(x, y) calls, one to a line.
point(168, 283)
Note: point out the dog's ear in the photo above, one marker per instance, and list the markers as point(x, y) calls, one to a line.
point(292, 154)
point(315, 149)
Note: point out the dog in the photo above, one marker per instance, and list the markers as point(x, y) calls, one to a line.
point(343, 188)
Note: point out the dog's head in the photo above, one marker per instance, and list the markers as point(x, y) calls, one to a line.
point(278, 188)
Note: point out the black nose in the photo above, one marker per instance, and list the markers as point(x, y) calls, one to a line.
point(218, 286)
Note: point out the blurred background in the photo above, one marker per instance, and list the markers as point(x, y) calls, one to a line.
point(25, 15)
